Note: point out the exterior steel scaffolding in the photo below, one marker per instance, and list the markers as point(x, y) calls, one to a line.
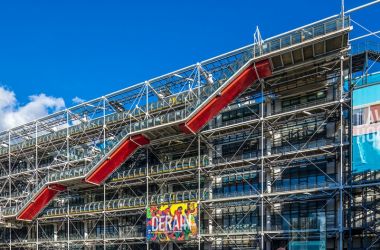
point(256, 142)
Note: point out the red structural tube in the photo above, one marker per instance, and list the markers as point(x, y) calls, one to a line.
point(40, 202)
point(116, 159)
point(227, 95)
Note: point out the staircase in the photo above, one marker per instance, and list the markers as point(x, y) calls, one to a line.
point(41, 200)
point(119, 155)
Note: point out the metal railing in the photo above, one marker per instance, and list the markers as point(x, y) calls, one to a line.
point(361, 47)
point(128, 203)
point(168, 167)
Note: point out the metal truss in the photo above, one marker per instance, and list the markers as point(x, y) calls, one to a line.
point(272, 142)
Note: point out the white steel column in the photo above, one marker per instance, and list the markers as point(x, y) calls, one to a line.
point(147, 99)
point(36, 154)
point(67, 139)
point(104, 216)
point(104, 124)
point(55, 229)
point(198, 83)
point(68, 221)
point(341, 156)
point(342, 12)
point(350, 158)
point(10, 183)
point(262, 164)
point(147, 191)
point(199, 191)
point(104, 185)
point(67, 162)
point(37, 225)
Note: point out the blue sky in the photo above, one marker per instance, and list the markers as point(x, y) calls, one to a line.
point(81, 48)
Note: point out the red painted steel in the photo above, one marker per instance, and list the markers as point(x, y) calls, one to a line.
point(40, 202)
point(114, 161)
point(227, 95)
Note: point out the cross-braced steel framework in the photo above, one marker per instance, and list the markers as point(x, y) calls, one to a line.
point(268, 165)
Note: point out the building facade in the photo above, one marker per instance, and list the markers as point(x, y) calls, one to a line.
point(248, 150)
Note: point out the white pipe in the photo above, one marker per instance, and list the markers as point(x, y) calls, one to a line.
point(364, 36)
point(362, 6)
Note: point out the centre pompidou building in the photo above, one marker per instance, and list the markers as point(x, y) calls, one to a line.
point(247, 150)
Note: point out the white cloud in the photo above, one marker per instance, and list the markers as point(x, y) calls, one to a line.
point(12, 114)
point(7, 99)
point(78, 100)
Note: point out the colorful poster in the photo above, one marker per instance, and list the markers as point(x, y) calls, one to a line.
point(175, 222)
point(366, 129)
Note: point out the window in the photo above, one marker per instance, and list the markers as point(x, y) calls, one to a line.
point(321, 94)
point(240, 113)
point(291, 102)
point(316, 96)
point(46, 231)
point(231, 149)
